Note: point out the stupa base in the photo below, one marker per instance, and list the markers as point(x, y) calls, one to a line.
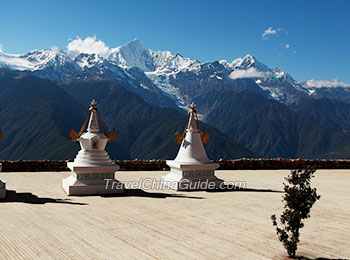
point(74, 187)
point(2, 190)
point(177, 181)
point(191, 177)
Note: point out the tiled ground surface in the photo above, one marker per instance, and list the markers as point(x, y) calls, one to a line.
point(40, 222)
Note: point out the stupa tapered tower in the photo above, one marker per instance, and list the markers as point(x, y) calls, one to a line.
point(191, 169)
point(92, 171)
point(2, 184)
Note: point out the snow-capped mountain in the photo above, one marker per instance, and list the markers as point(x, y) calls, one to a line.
point(53, 64)
point(134, 54)
point(264, 108)
point(246, 63)
point(161, 77)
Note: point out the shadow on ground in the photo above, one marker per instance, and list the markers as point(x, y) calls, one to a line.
point(240, 189)
point(320, 258)
point(26, 197)
point(142, 193)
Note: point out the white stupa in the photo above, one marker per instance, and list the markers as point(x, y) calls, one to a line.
point(92, 169)
point(2, 184)
point(191, 169)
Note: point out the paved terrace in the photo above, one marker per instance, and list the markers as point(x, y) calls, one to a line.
point(39, 221)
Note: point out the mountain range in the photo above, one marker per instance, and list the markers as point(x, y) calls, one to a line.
point(37, 115)
point(266, 110)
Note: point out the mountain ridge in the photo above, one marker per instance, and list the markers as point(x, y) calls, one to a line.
point(37, 116)
point(163, 79)
point(159, 66)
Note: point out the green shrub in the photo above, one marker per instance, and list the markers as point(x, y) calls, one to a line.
point(299, 198)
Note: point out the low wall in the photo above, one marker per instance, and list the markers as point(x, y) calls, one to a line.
point(33, 166)
point(160, 165)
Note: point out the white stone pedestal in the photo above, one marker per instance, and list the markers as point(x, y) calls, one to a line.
point(2, 190)
point(191, 177)
point(92, 180)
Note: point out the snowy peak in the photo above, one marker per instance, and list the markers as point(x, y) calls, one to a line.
point(35, 60)
point(133, 54)
point(250, 67)
point(42, 58)
point(245, 63)
point(14, 62)
point(85, 60)
point(135, 44)
point(161, 58)
point(179, 63)
point(249, 61)
point(282, 76)
point(166, 62)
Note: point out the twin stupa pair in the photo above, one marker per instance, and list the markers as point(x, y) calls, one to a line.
point(92, 169)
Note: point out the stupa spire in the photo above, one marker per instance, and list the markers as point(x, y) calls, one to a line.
point(93, 126)
point(192, 125)
point(93, 122)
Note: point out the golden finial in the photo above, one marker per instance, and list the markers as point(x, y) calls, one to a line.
point(93, 107)
point(193, 110)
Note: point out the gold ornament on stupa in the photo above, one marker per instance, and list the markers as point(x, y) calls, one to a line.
point(93, 107)
point(193, 111)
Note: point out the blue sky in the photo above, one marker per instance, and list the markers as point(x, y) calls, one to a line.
point(309, 39)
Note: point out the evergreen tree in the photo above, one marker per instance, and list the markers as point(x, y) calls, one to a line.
point(299, 198)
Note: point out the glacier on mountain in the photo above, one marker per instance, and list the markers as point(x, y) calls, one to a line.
point(156, 71)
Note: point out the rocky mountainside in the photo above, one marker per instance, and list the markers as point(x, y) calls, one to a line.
point(277, 131)
point(273, 114)
point(37, 116)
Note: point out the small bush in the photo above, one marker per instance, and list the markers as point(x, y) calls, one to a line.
point(299, 198)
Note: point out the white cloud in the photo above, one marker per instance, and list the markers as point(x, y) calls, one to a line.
point(267, 32)
point(287, 46)
point(249, 73)
point(89, 45)
point(282, 30)
point(1, 48)
point(271, 31)
point(324, 83)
